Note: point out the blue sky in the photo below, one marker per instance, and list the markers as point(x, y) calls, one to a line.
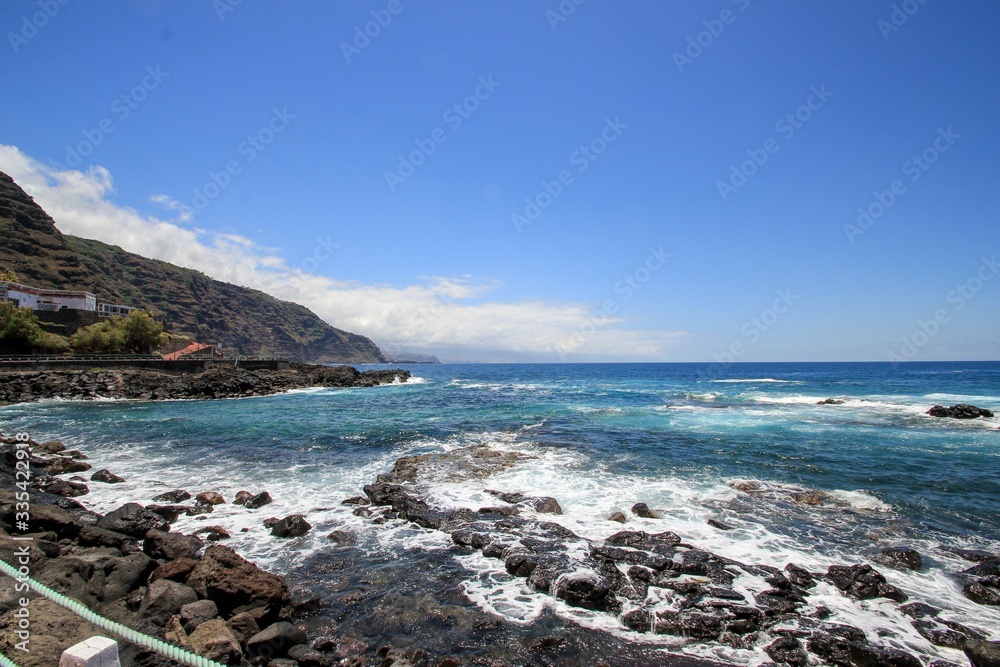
point(644, 109)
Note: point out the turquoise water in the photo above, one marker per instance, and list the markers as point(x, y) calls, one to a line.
point(676, 436)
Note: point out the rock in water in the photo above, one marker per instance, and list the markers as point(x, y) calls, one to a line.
point(210, 498)
point(960, 411)
point(106, 476)
point(178, 496)
point(261, 499)
point(291, 526)
point(983, 653)
point(642, 510)
point(900, 557)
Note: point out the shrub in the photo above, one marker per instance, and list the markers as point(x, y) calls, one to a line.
point(20, 333)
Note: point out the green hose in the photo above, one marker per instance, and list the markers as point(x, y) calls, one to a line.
point(127, 633)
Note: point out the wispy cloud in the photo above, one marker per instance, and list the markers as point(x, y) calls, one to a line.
point(443, 315)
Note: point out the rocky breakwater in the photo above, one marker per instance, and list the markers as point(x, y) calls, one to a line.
point(130, 567)
point(221, 381)
point(658, 583)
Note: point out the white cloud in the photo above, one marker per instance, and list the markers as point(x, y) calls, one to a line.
point(436, 314)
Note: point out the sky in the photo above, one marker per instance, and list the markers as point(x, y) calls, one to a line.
point(512, 180)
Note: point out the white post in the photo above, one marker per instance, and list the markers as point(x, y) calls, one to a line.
point(93, 652)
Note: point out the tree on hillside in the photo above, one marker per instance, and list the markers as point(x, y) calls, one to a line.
point(136, 334)
point(20, 333)
point(143, 334)
point(7, 275)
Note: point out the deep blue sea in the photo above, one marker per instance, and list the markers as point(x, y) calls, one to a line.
point(605, 436)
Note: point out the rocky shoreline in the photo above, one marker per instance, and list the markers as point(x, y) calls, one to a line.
point(657, 583)
point(220, 381)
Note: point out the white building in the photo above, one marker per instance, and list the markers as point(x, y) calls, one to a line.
point(108, 309)
point(36, 298)
point(24, 296)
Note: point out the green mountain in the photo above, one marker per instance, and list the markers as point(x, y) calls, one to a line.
point(189, 302)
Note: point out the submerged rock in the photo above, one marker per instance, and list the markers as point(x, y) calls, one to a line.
point(900, 558)
point(863, 582)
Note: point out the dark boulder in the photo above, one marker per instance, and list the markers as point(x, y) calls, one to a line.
point(177, 570)
point(275, 641)
point(134, 520)
point(983, 653)
point(546, 505)
point(257, 501)
point(864, 655)
point(170, 546)
point(863, 582)
point(642, 510)
point(213, 533)
point(986, 591)
point(168, 512)
point(163, 599)
point(233, 582)
point(125, 574)
point(177, 496)
point(787, 650)
point(960, 411)
point(988, 568)
point(106, 476)
point(291, 526)
point(585, 589)
point(900, 558)
point(344, 538)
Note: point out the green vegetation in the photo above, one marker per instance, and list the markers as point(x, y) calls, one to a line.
point(136, 334)
point(8, 276)
point(21, 334)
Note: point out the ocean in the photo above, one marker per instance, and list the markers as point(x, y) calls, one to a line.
point(683, 438)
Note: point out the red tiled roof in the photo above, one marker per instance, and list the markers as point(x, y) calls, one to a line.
point(183, 352)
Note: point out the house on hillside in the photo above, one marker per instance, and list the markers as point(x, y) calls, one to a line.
point(52, 300)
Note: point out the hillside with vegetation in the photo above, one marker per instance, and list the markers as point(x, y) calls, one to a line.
point(187, 302)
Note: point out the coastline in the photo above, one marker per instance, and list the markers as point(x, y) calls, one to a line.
point(435, 585)
point(219, 381)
